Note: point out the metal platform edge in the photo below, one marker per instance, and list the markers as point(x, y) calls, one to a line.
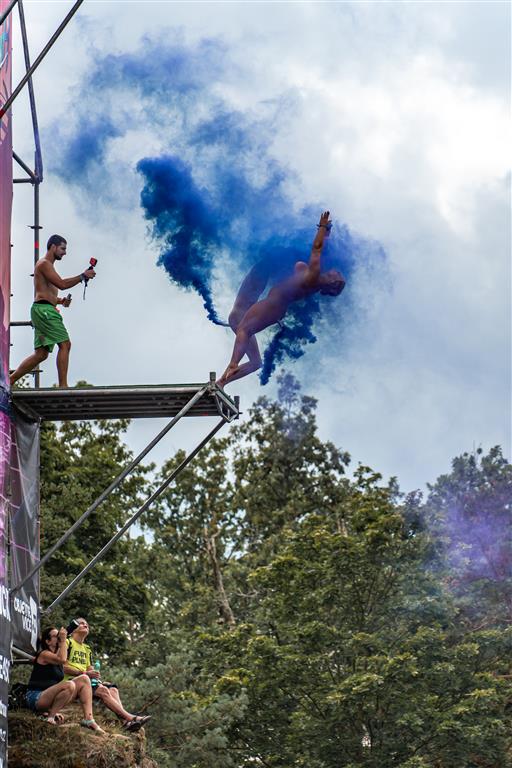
point(124, 402)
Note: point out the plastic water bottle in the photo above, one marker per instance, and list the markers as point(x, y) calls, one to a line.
point(97, 667)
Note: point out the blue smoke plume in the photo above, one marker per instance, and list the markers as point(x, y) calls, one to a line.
point(214, 197)
point(183, 224)
point(87, 149)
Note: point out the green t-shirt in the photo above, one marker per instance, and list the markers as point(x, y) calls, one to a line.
point(79, 656)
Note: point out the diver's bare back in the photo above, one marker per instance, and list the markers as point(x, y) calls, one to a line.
point(44, 289)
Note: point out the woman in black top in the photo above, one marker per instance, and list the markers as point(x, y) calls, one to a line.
point(47, 689)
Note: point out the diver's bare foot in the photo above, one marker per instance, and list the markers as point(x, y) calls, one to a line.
point(227, 375)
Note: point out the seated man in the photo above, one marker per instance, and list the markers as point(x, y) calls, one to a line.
point(250, 316)
point(79, 660)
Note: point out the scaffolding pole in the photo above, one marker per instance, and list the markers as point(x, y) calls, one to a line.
point(113, 485)
point(5, 107)
point(134, 518)
point(7, 12)
point(38, 164)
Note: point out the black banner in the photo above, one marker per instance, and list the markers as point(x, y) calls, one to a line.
point(5, 614)
point(5, 422)
point(24, 530)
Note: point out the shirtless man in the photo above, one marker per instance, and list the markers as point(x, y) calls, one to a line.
point(250, 316)
point(48, 325)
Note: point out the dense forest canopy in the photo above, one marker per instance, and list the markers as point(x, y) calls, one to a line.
point(282, 608)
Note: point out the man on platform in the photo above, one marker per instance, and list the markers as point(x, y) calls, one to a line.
point(49, 328)
point(80, 660)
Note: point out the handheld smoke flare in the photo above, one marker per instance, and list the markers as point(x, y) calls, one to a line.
point(92, 264)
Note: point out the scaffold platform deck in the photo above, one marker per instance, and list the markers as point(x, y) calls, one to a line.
point(124, 402)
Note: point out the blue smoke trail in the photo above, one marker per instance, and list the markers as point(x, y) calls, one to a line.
point(290, 339)
point(214, 194)
point(183, 223)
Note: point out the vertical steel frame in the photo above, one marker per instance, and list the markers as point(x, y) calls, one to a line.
point(33, 177)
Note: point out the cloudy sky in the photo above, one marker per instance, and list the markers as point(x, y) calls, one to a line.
point(395, 116)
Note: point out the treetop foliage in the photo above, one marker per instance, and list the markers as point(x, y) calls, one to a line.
point(279, 608)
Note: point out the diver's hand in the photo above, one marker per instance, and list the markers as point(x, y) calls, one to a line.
point(324, 220)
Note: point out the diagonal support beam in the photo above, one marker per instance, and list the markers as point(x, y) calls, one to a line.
point(7, 12)
point(33, 177)
point(113, 485)
point(5, 107)
point(134, 518)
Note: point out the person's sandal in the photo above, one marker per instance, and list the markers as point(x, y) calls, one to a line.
point(132, 725)
point(92, 725)
point(49, 719)
point(142, 719)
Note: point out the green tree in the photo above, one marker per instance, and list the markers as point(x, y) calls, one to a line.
point(471, 511)
point(281, 467)
point(227, 511)
point(353, 657)
point(191, 720)
point(279, 612)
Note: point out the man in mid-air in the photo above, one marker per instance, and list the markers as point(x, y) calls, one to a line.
point(49, 328)
point(249, 316)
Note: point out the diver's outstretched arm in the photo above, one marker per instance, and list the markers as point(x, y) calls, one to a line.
point(316, 251)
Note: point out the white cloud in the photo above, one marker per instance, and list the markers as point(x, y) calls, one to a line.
point(401, 119)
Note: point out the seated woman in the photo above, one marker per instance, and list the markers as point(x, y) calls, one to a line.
point(47, 690)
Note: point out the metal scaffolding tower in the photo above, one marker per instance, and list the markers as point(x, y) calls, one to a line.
point(174, 400)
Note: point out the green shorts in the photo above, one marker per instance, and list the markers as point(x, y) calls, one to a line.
point(49, 328)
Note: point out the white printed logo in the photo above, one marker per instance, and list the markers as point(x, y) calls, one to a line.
point(4, 603)
point(28, 612)
point(33, 617)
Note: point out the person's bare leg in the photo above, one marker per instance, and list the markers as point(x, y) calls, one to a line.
point(239, 371)
point(115, 694)
point(258, 317)
point(56, 697)
point(84, 695)
point(245, 344)
point(63, 363)
point(235, 318)
point(241, 342)
point(142, 719)
point(29, 364)
point(112, 703)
